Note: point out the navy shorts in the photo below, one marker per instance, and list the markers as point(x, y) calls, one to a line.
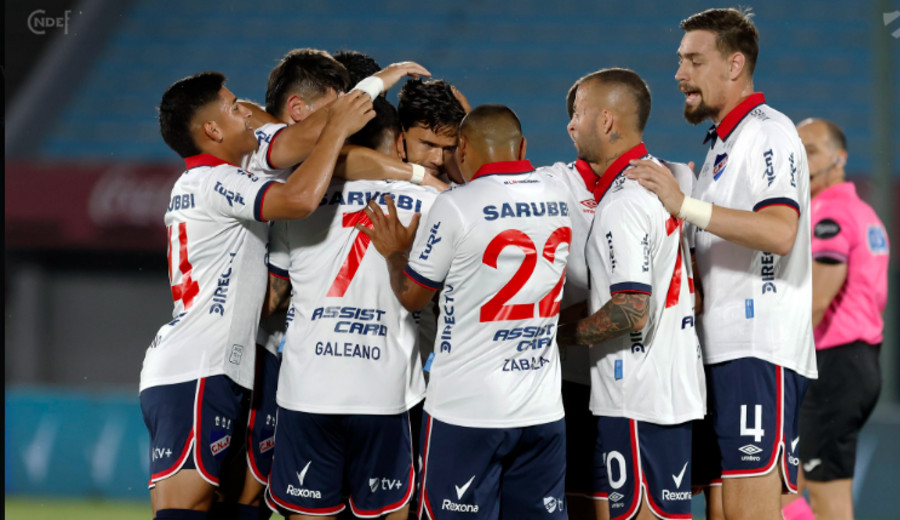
point(263, 411)
point(643, 457)
point(192, 425)
point(321, 458)
point(581, 439)
point(754, 412)
point(492, 473)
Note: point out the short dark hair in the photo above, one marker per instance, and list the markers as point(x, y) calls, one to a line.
point(358, 65)
point(430, 104)
point(386, 120)
point(180, 103)
point(733, 28)
point(308, 73)
point(626, 78)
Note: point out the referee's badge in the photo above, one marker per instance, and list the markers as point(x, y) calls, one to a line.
point(719, 165)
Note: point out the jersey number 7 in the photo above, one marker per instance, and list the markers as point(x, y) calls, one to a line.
point(495, 308)
point(354, 257)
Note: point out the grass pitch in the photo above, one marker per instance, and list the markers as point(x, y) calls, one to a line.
point(19, 508)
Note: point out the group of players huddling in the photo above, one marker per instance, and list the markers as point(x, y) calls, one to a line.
point(327, 214)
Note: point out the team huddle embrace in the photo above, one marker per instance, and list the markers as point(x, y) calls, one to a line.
point(390, 312)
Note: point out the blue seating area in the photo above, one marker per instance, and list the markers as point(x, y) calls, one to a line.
point(815, 60)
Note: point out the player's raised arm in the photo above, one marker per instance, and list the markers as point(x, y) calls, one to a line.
point(773, 228)
point(301, 194)
point(393, 240)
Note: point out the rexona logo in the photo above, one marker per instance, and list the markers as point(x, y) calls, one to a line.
point(678, 495)
point(449, 505)
point(301, 491)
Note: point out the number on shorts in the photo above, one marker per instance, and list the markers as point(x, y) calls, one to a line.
point(188, 288)
point(496, 309)
point(620, 462)
point(756, 431)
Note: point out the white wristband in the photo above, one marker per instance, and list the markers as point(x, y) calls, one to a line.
point(696, 212)
point(418, 173)
point(373, 86)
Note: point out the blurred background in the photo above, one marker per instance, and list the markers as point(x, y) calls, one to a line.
point(88, 176)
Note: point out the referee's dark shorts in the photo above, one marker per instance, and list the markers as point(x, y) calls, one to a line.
point(836, 407)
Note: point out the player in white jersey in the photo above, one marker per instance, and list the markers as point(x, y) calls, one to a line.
point(304, 81)
point(644, 348)
point(199, 367)
point(496, 248)
point(351, 370)
point(751, 208)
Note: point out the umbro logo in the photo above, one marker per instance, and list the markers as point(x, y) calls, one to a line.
point(461, 490)
point(589, 203)
point(615, 496)
point(750, 449)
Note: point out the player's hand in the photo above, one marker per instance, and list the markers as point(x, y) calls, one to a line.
point(462, 99)
point(391, 74)
point(658, 179)
point(432, 180)
point(388, 234)
point(350, 112)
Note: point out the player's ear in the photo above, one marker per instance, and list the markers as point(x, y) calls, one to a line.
point(401, 145)
point(462, 147)
point(736, 64)
point(296, 108)
point(606, 121)
point(212, 131)
point(399, 148)
point(842, 158)
point(522, 147)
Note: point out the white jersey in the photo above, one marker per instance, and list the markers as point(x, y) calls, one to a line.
point(217, 247)
point(580, 180)
point(497, 249)
point(270, 333)
point(350, 347)
point(756, 304)
point(654, 374)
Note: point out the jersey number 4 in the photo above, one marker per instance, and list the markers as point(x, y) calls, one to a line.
point(188, 288)
point(495, 308)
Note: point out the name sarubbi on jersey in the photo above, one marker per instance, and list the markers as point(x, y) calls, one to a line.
point(361, 198)
point(525, 210)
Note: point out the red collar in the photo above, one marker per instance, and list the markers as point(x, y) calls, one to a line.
point(617, 167)
point(737, 114)
point(587, 174)
point(203, 159)
point(503, 168)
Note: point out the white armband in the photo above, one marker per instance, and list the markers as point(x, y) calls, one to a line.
point(696, 212)
point(418, 173)
point(372, 85)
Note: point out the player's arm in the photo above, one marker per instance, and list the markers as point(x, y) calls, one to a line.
point(393, 240)
point(772, 229)
point(827, 279)
point(625, 312)
point(277, 295)
point(359, 162)
point(301, 194)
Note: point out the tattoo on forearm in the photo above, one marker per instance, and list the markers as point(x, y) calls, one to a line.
point(279, 290)
point(396, 263)
point(623, 313)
